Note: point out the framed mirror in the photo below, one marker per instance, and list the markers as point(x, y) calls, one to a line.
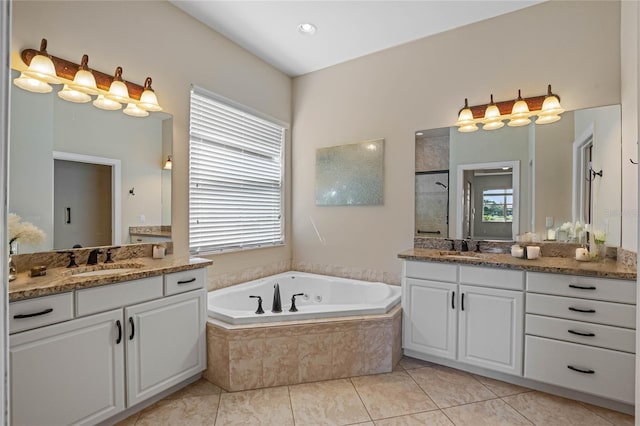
point(83, 175)
point(557, 183)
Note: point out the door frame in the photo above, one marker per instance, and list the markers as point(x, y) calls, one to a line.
point(116, 178)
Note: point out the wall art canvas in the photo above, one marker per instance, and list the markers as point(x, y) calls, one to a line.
point(350, 175)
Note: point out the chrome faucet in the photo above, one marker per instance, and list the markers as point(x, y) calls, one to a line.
point(276, 306)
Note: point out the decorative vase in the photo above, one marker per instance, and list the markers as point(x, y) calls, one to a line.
point(601, 252)
point(13, 271)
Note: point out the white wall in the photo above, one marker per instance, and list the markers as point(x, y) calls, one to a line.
point(154, 38)
point(576, 48)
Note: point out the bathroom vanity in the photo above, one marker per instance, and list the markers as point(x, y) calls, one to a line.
point(552, 324)
point(91, 346)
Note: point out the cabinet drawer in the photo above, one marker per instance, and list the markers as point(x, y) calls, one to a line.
point(492, 277)
point(584, 287)
point(179, 282)
point(432, 271)
point(594, 311)
point(100, 299)
point(41, 311)
point(606, 373)
point(604, 336)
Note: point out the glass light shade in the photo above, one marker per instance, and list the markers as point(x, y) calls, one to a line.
point(518, 121)
point(465, 117)
point(468, 128)
point(493, 125)
point(118, 92)
point(491, 113)
point(149, 101)
point(520, 109)
point(71, 95)
point(551, 105)
point(84, 82)
point(134, 111)
point(547, 118)
point(32, 85)
point(107, 104)
point(42, 68)
point(168, 165)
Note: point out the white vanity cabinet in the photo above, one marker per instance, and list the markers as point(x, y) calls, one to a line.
point(127, 342)
point(580, 334)
point(470, 314)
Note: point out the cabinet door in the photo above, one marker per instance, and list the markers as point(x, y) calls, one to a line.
point(68, 373)
point(491, 328)
point(165, 343)
point(430, 317)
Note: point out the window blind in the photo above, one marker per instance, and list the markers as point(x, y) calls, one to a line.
point(235, 178)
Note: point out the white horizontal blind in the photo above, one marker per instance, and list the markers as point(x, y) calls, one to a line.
point(235, 178)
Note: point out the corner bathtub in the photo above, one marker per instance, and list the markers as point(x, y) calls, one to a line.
point(324, 297)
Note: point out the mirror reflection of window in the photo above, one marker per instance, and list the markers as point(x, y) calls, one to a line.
point(497, 205)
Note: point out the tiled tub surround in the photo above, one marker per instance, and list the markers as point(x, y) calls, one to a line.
point(261, 355)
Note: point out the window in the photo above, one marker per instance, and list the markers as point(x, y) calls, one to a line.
point(497, 205)
point(235, 177)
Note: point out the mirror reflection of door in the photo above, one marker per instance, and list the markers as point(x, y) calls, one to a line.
point(82, 204)
point(467, 220)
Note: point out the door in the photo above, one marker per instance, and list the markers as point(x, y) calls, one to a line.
point(82, 204)
point(491, 328)
point(72, 371)
point(165, 343)
point(430, 317)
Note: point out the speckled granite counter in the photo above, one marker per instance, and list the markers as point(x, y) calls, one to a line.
point(559, 265)
point(58, 280)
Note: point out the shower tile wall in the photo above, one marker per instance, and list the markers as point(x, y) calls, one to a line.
point(432, 199)
point(432, 153)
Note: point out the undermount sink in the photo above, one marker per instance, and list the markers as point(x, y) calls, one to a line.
point(459, 255)
point(105, 269)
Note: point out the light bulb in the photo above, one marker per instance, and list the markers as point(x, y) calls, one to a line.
point(134, 111)
point(106, 104)
point(71, 95)
point(118, 91)
point(84, 81)
point(148, 99)
point(32, 84)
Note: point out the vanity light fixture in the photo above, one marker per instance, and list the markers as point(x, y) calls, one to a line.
point(80, 83)
point(547, 109)
point(168, 165)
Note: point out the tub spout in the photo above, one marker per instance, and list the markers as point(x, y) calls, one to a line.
point(276, 306)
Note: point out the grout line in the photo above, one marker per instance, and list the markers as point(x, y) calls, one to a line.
point(293, 416)
point(586, 405)
point(360, 397)
point(215, 420)
point(516, 410)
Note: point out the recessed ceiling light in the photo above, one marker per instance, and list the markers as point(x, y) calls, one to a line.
point(307, 28)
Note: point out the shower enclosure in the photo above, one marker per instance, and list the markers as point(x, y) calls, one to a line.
point(432, 204)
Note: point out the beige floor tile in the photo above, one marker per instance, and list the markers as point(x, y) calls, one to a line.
point(448, 387)
point(129, 421)
point(327, 403)
point(501, 388)
point(494, 412)
point(192, 411)
point(198, 388)
point(270, 406)
point(615, 417)
point(431, 418)
point(409, 363)
point(549, 410)
point(391, 395)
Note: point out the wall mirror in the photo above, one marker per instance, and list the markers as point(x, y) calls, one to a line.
point(538, 176)
point(85, 175)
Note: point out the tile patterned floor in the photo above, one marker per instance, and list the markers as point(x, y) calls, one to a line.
point(415, 393)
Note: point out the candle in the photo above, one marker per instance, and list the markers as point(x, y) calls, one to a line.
point(582, 254)
point(551, 234)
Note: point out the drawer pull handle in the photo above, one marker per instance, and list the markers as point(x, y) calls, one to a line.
point(580, 370)
point(35, 314)
point(453, 298)
point(133, 328)
point(586, 311)
point(186, 281)
point(119, 325)
point(462, 302)
point(580, 333)
point(581, 287)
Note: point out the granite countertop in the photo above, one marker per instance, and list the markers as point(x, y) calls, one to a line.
point(59, 280)
point(559, 265)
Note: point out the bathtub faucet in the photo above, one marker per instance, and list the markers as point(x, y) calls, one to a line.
point(293, 302)
point(276, 306)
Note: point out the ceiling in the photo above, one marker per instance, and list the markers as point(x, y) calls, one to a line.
point(345, 29)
